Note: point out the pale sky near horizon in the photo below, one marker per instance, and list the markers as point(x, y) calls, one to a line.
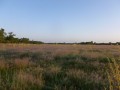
point(62, 20)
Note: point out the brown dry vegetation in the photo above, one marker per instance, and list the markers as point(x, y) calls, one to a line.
point(59, 67)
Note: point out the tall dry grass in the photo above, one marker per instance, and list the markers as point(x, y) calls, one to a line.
point(24, 63)
point(58, 67)
point(114, 75)
point(27, 81)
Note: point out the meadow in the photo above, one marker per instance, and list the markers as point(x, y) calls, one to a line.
point(59, 67)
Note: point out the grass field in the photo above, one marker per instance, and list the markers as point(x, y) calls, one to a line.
point(59, 67)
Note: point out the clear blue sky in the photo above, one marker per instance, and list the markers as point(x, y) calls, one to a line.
point(62, 20)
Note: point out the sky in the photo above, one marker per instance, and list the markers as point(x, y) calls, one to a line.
point(62, 20)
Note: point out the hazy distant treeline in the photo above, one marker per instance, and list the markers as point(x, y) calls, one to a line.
point(88, 43)
point(10, 38)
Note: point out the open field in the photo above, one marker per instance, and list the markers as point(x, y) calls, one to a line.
point(59, 67)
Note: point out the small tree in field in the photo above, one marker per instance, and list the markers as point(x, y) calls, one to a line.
point(10, 37)
point(2, 35)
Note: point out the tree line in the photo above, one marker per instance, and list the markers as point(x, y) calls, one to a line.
point(87, 43)
point(10, 38)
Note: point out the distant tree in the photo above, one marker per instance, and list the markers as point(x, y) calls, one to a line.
point(110, 43)
point(15, 40)
point(24, 40)
point(2, 35)
point(117, 43)
point(35, 42)
point(10, 37)
point(91, 42)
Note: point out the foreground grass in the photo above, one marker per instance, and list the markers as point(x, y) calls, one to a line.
point(57, 67)
point(113, 74)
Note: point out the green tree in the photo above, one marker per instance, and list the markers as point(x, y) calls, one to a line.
point(2, 35)
point(24, 40)
point(10, 37)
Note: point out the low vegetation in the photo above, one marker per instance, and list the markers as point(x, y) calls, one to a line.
point(59, 67)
